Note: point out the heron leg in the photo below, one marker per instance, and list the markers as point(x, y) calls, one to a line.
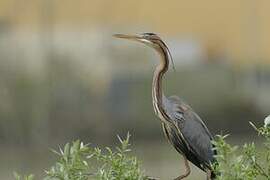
point(187, 170)
point(208, 172)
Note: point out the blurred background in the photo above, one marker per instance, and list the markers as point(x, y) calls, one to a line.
point(64, 77)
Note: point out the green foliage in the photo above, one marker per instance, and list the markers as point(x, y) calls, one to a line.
point(81, 162)
point(117, 165)
point(78, 162)
point(72, 163)
point(19, 177)
point(243, 163)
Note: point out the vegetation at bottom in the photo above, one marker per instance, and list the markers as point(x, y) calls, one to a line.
point(78, 161)
point(247, 162)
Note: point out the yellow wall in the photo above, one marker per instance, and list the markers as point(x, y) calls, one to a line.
point(239, 28)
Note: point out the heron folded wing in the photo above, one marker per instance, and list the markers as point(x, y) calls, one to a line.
point(193, 131)
point(177, 140)
point(199, 138)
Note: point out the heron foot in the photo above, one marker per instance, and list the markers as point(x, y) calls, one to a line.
point(182, 176)
point(208, 177)
point(187, 173)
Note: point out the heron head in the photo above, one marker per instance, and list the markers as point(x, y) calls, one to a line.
point(150, 39)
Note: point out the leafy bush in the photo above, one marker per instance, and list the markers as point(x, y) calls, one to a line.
point(244, 163)
point(19, 177)
point(78, 162)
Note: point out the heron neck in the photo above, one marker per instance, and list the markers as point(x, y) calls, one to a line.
point(157, 91)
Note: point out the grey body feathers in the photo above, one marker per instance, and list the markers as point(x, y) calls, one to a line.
point(188, 133)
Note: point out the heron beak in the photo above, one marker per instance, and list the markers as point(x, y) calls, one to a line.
point(130, 37)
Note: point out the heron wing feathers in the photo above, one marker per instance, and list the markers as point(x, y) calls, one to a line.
point(196, 135)
point(180, 145)
point(193, 130)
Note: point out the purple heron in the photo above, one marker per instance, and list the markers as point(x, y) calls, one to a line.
point(184, 129)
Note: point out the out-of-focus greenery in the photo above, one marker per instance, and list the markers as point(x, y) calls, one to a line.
point(245, 163)
point(78, 162)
